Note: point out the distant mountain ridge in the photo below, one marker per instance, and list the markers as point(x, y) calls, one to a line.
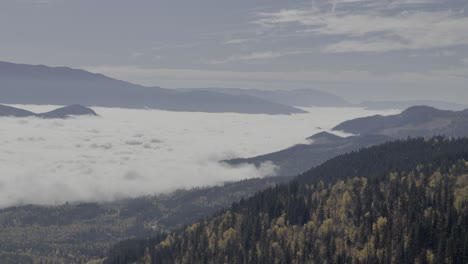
point(14, 112)
point(63, 112)
point(383, 105)
point(318, 98)
point(415, 121)
point(38, 84)
point(294, 97)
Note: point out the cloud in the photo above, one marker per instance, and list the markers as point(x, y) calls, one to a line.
point(462, 11)
point(255, 56)
point(236, 41)
point(375, 29)
point(460, 72)
point(164, 46)
point(37, 1)
point(120, 154)
point(436, 53)
point(136, 54)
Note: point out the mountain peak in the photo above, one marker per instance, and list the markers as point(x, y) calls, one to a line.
point(324, 137)
point(63, 112)
point(418, 109)
point(423, 113)
point(13, 111)
point(67, 111)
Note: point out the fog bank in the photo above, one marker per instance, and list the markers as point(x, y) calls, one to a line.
point(128, 153)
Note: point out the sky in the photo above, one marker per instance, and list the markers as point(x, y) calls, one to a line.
point(119, 154)
point(359, 49)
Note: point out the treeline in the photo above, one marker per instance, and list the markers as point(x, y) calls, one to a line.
point(77, 233)
point(401, 202)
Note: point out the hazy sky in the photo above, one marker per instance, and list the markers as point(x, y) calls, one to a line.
point(373, 49)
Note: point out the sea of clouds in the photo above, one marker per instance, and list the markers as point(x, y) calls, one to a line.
point(129, 153)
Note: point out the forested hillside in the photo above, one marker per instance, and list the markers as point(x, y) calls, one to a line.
point(76, 233)
point(401, 202)
point(300, 158)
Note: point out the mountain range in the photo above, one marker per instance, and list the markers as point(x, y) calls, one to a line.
point(417, 121)
point(294, 97)
point(404, 104)
point(38, 84)
point(413, 122)
point(63, 112)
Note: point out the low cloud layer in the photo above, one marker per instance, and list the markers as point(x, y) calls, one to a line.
point(128, 153)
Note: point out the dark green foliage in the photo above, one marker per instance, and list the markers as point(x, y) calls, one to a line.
point(15, 259)
point(300, 158)
point(400, 155)
point(401, 202)
point(75, 233)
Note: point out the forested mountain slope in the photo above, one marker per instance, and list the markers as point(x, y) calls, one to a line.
point(300, 158)
point(76, 233)
point(401, 202)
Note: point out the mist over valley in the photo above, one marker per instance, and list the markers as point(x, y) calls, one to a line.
point(126, 153)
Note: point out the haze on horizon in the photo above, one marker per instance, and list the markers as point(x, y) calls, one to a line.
point(358, 49)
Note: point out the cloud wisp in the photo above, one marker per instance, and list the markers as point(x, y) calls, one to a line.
point(129, 153)
point(375, 28)
point(265, 55)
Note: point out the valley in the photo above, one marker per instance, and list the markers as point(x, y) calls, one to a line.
point(234, 132)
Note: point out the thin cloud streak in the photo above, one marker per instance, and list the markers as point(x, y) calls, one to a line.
point(265, 55)
point(373, 30)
